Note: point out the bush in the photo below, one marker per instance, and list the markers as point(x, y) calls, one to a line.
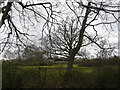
point(107, 77)
point(99, 62)
point(78, 79)
point(10, 79)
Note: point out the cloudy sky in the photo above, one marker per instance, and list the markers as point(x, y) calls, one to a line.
point(112, 35)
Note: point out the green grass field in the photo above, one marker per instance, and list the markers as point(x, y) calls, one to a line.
point(55, 66)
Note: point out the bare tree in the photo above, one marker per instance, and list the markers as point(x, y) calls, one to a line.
point(64, 38)
point(87, 16)
point(32, 52)
point(107, 51)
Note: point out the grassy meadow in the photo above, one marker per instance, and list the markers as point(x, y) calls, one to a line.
point(83, 75)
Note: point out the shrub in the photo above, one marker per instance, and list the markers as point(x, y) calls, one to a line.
point(99, 62)
point(107, 77)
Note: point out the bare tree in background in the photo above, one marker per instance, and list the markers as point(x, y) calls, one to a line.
point(87, 17)
point(65, 38)
point(105, 53)
point(32, 52)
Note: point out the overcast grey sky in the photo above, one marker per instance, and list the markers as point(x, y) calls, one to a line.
point(113, 35)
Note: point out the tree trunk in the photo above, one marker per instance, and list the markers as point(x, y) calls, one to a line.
point(75, 50)
point(71, 60)
point(70, 64)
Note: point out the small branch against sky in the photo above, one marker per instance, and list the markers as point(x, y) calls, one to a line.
point(119, 30)
point(20, 30)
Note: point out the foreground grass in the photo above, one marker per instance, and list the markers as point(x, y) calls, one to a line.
point(55, 77)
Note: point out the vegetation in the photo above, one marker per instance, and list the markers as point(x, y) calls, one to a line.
point(98, 62)
point(35, 32)
point(85, 74)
